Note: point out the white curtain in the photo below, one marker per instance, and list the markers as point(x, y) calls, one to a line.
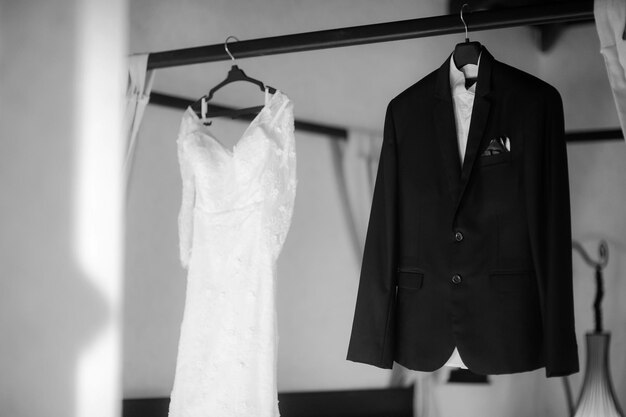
point(610, 16)
point(358, 162)
point(137, 97)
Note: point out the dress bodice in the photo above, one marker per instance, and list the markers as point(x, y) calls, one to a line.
point(257, 174)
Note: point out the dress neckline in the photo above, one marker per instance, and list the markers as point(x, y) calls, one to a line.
point(269, 99)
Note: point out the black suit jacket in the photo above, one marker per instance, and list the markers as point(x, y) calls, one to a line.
point(477, 257)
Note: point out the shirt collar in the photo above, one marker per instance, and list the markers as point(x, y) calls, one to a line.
point(457, 77)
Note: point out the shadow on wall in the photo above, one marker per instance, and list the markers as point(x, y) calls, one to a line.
point(51, 311)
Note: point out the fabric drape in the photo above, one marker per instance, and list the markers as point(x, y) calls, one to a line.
point(358, 162)
point(610, 16)
point(137, 97)
point(236, 210)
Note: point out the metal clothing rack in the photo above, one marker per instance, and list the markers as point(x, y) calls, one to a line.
point(336, 132)
point(559, 12)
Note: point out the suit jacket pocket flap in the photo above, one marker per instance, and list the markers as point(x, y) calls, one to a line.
point(410, 278)
point(511, 280)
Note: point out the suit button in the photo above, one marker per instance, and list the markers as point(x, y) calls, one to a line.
point(456, 279)
point(458, 236)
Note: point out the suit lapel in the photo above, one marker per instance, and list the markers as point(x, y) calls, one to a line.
point(445, 125)
point(478, 121)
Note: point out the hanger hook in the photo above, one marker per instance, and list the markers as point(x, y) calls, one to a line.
point(463, 20)
point(226, 47)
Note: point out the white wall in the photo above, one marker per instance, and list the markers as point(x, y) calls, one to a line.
point(61, 223)
point(318, 274)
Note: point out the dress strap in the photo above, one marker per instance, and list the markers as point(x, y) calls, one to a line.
point(279, 111)
point(267, 95)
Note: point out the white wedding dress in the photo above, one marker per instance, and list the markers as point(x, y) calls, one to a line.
point(235, 213)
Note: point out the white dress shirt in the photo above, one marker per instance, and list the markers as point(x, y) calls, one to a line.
point(463, 99)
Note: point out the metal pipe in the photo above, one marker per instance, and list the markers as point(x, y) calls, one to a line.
point(181, 103)
point(376, 33)
point(341, 133)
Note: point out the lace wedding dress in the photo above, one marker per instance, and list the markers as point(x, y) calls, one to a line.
point(235, 213)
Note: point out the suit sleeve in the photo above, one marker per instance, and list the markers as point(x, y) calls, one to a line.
point(552, 242)
point(373, 328)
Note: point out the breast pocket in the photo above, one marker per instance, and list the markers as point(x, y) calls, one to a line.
point(502, 158)
point(410, 278)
